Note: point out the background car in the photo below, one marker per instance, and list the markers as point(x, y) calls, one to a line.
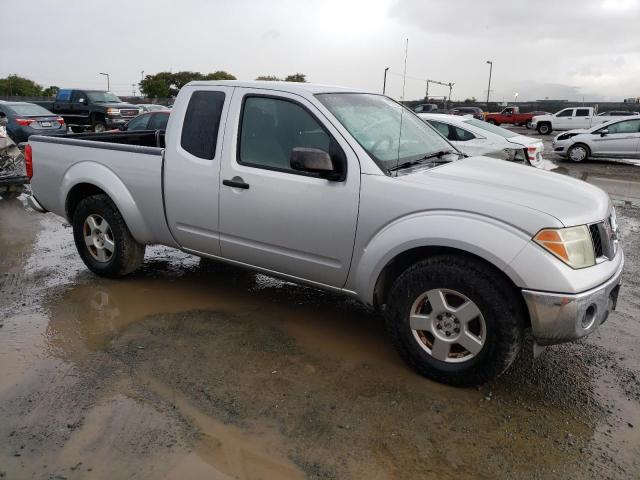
point(425, 107)
point(156, 120)
point(151, 107)
point(618, 138)
point(617, 113)
point(477, 137)
point(26, 119)
point(475, 112)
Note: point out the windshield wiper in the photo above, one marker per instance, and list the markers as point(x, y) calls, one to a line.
point(429, 156)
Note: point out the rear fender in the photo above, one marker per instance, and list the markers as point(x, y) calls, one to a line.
point(98, 175)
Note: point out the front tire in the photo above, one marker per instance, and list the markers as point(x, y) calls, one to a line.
point(455, 320)
point(544, 129)
point(103, 239)
point(99, 126)
point(578, 152)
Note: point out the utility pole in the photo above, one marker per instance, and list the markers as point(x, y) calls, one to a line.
point(426, 94)
point(489, 87)
point(108, 82)
point(384, 83)
point(450, 88)
point(133, 89)
point(141, 75)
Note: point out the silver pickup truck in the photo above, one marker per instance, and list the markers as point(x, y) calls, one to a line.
point(347, 191)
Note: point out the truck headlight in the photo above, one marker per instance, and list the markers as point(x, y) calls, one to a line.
point(572, 245)
point(113, 111)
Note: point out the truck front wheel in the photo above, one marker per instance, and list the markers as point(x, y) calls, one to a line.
point(98, 125)
point(544, 128)
point(455, 320)
point(103, 239)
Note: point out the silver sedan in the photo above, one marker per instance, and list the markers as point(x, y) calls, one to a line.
point(615, 139)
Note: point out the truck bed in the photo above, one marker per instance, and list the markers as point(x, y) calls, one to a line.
point(127, 162)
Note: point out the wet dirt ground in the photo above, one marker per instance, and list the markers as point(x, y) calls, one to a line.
point(190, 369)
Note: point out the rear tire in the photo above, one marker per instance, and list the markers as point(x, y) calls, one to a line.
point(544, 129)
point(529, 125)
point(77, 129)
point(578, 152)
point(492, 121)
point(417, 329)
point(103, 239)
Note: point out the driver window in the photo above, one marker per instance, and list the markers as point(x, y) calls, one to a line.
point(79, 96)
point(566, 113)
point(629, 126)
point(271, 128)
point(138, 123)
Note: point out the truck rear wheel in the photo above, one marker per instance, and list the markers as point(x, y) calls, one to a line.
point(492, 121)
point(454, 320)
point(544, 128)
point(103, 239)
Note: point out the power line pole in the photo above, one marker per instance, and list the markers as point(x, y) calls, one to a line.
point(384, 83)
point(489, 87)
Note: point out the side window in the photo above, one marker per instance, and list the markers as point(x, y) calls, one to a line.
point(628, 126)
point(444, 130)
point(77, 95)
point(201, 123)
point(158, 121)
point(271, 128)
point(63, 96)
point(464, 135)
point(566, 113)
point(138, 123)
point(582, 112)
point(508, 111)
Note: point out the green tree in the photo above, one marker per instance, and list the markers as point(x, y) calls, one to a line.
point(268, 78)
point(219, 75)
point(16, 85)
point(51, 91)
point(296, 77)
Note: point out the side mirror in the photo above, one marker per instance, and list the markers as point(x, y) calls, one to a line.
point(81, 100)
point(604, 133)
point(313, 160)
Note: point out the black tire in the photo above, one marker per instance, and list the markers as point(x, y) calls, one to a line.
point(496, 299)
point(492, 121)
point(98, 125)
point(128, 254)
point(578, 152)
point(529, 125)
point(544, 128)
point(77, 129)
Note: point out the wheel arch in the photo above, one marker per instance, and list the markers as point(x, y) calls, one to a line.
point(89, 178)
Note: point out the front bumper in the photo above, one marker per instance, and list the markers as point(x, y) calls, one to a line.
point(558, 318)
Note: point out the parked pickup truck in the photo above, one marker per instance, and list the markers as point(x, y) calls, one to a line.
point(568, 119)
point(508, 115)
point(319, 185)
point(95, 109)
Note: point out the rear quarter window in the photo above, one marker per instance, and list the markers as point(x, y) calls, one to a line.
point(201, 124)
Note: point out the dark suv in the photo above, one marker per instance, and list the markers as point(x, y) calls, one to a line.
point(476, 112)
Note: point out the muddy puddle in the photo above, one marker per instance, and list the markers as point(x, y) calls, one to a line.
point(192, 369)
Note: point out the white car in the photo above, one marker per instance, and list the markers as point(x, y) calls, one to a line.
point(615, 139)
point(477, 137)
point(568, 119)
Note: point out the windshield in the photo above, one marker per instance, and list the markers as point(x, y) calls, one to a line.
point(375, 122)
point(30, 109)
point(503, 132)
point(102, 97)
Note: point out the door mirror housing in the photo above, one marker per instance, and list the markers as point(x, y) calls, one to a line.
point(314, 160)
point(81, 100)
point(604, 133)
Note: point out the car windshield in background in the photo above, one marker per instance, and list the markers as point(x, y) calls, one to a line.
point(102, 97)
point(391, 134)
point(29, 109)
point(503, 132)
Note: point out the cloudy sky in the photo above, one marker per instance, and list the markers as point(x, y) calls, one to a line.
point(544, 48)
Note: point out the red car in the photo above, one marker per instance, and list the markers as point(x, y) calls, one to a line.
point(509, 115)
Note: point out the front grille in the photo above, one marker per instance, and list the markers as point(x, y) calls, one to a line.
point(597, 241)
point(129, 113)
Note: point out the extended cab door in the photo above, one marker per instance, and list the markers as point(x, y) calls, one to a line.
point(192, 166)
point(79, 108)
point(582, 118)
point(275, 217)
point(564, 119)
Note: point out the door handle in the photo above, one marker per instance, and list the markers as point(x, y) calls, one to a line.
point(236, 182)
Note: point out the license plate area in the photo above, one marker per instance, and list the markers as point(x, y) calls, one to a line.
point(45, 124)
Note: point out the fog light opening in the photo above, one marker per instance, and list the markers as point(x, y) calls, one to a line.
point(589, 316)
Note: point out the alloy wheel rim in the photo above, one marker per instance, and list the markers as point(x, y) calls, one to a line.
point(98, 238)
point(447, 325)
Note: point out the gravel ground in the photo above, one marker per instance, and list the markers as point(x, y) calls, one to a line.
point(190, 369)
